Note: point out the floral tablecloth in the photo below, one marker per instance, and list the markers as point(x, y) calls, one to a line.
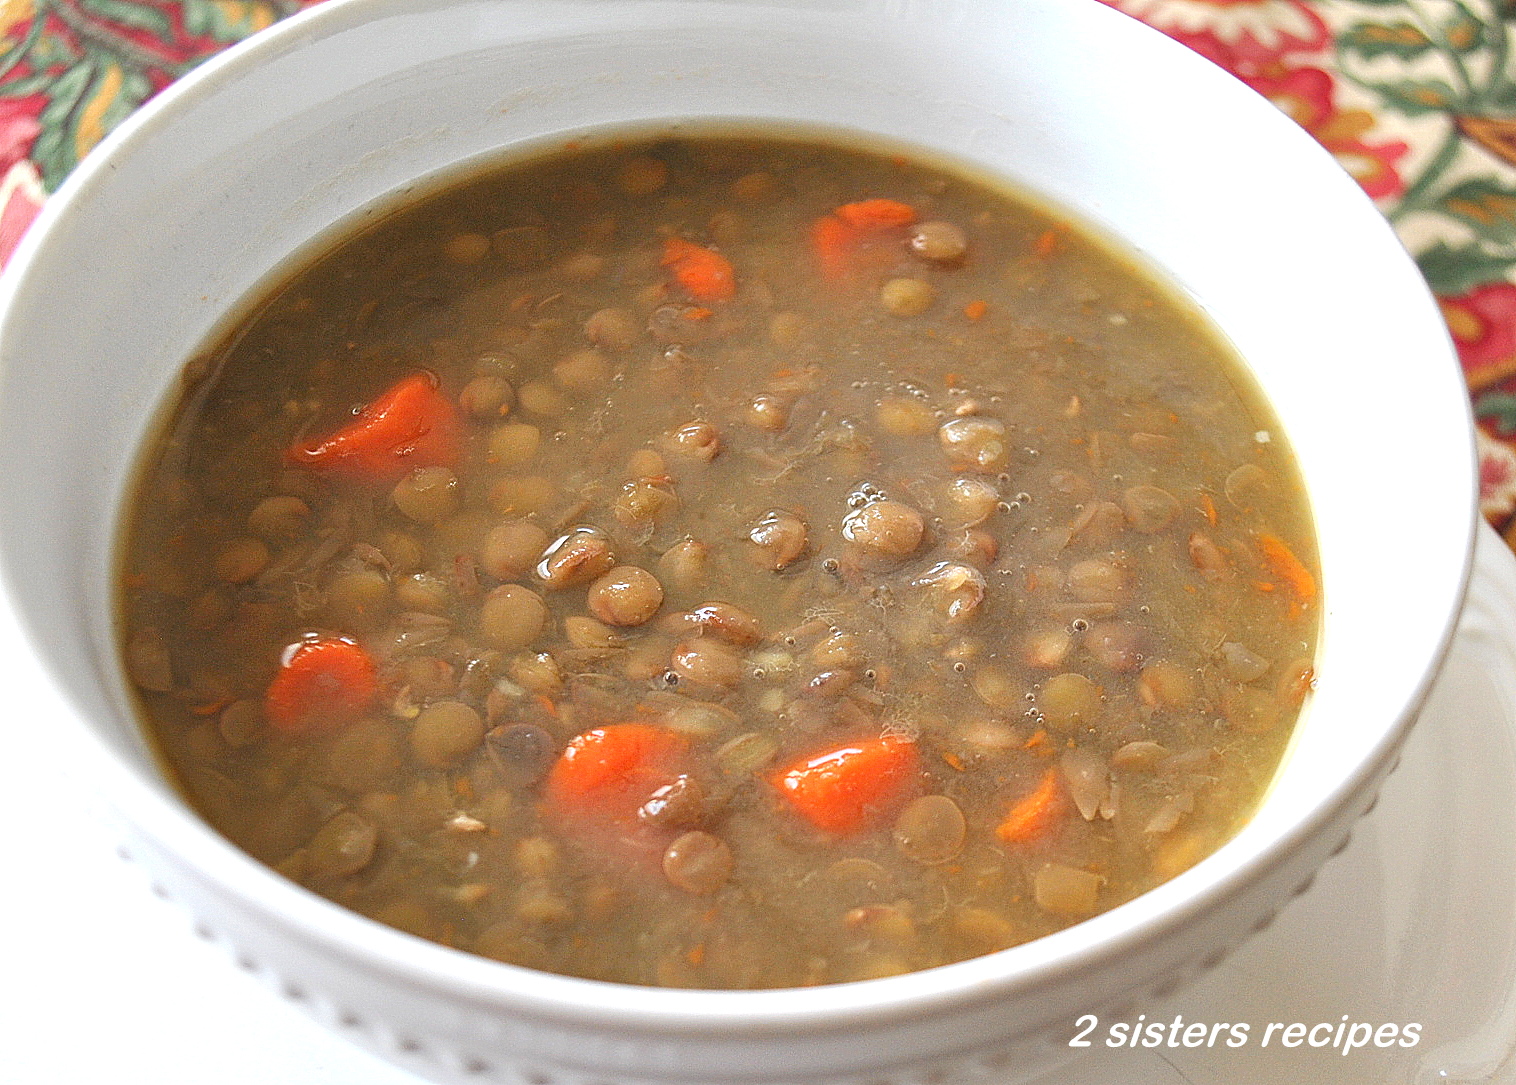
point(1416, 98)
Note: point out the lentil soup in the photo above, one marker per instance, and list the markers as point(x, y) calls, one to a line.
point(734, 560)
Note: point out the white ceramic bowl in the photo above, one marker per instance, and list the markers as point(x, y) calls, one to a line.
point(211, 187)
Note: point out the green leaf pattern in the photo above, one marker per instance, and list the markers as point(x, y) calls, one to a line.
point(226, 20)
point(1484, 204)
point(53, 151)
point(1499, 409)
point(1451, 270)
point(143, 17)
point(98, 60)
point(1416, 97)
point(1399, 39)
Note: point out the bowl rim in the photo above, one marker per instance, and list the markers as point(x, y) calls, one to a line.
point(671, 1012)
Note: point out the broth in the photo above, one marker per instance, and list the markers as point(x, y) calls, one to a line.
point(735, 560)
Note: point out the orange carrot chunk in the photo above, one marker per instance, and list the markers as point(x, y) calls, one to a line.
point(1034, 814)
point(703, 273)
point(850, 787)
point(411, 425)
point(321, 686)
point(837, 239)
point(1283, 563)
point(832, 241)
point(607, 773)
point(877, 214)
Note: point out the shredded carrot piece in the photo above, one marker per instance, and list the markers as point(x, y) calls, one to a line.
point(1283, 563)
point(954, 761)
point(697, 312)
point(321, 685)
point(1039, 738)
point(212, 707)
point(704, 273)
point(548, 704)
point(1264, 585)
point(1031, 816)
point(976, 309)
point(1298, 685)
point(696, 955)
point(605, 774)
point(1047, 243)
point(847, 788)
point(876, 214)
point(832, 241)
point(1208, 507)
point(837, 237)
point(411, 425)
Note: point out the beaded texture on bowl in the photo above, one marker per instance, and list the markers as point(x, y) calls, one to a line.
point(435, 1057)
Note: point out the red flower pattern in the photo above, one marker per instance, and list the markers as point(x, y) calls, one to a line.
point(19, 127)
point(1497, 478)
point(1483, 325)
point(21, 199)
point(1243, 36)
point(21, 193)
point(1257, 41)
point(1309, 96)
